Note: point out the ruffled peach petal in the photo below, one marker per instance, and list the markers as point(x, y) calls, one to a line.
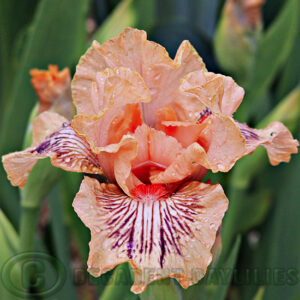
point(54, 138)
point(89, 128)
point(164, 80)
point(232, 97)
point(125, 122)
point(188, 108)
point(225, 142)
point(166, 113)
point(155, 146)
point(127, 51)
point(132, 50)
point(220, 145)
point(218, 92)
point(53, 88)
point(117, 86)
point(18, 166)
point(160, 235)
point(220, 136)
point(185, 132)
point(115, 160)
point(276, 138)
point(115, 89)
point(183, 166)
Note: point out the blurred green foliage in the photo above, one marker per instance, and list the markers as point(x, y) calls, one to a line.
point(260, 230)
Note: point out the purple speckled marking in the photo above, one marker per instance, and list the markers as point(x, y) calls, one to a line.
point(205, 113)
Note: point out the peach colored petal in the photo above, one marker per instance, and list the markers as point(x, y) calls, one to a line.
point(53, 88)
point(89, 128)
point(225, 142)
point(220, 135)
point(115, 88)
point(188, 133)
point(160, 235)
point(120, 116)
point(276, 138)
point(124, 123)
point(155, 146)
point(183, 166)
point(44, 125)
point(132, 50)
point(232, 97)
point(143, 158)
point(219, 93)
point(209, 92)
point(18, 166)
point(185, 132)
point(115, 160)
point(166, 113)
point(188, 108)
point(164, 81)
point(54, 138)
point(217, 135)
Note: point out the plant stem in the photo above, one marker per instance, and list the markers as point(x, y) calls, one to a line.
point(29, 221)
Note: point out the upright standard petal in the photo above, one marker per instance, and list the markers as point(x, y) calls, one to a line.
point(220, 96)
point(276, 138)
point(132, 50)
point(52, 137)
point(111, 86)
point(161, 235)
point(117, 93)
point(113, 91)
point(218, 92)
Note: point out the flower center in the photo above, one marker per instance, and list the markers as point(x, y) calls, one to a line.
point(149, 192)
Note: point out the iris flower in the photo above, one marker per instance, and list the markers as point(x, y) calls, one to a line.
point(153, 127)
point(53, 88)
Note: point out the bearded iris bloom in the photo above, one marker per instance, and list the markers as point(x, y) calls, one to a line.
point(153, 127)
point(53, 89)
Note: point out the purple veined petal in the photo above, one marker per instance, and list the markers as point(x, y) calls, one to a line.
point(65, 148)
point(276, 138)
point(161, 235)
